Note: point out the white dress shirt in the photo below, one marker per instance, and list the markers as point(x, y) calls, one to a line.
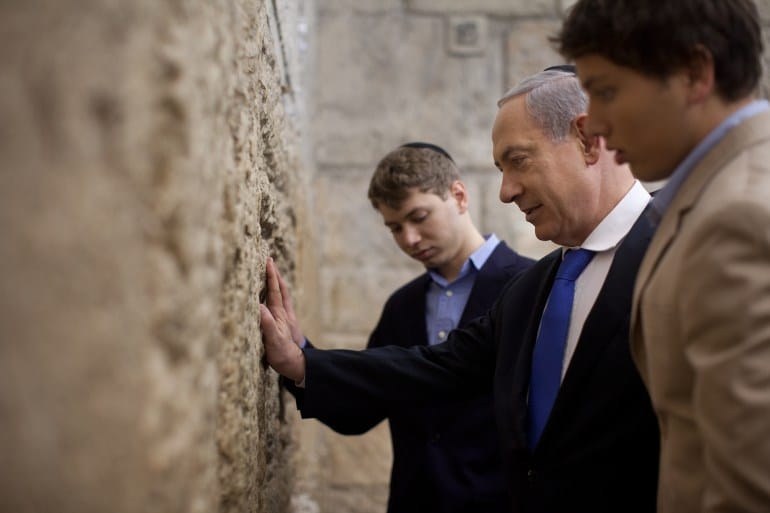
point(604, 240)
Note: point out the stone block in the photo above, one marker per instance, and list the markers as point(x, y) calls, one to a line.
point(355, 499)
point(362, 6)
point(361, 460)
point(353, 297)
point(528, 49)
point(496, 7)
point(388, 78)
point(351, 233)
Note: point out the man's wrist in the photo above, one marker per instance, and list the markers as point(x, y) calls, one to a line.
point(298, 369)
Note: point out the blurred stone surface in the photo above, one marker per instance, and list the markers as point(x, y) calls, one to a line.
point(497, 7)
point(147, 173)
point(527, 48)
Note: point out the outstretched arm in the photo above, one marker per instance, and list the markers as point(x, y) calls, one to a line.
point(281, 334)
point(341, 383)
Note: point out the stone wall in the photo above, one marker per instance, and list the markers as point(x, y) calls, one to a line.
point(149, 165)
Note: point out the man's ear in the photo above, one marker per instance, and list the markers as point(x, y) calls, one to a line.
point(460, 194)
point(589, 144)
point(699, 73)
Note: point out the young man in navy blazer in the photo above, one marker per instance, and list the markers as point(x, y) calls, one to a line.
point(446, 454)
point(597, 450)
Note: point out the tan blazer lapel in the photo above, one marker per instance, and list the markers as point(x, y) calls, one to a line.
point(748, 133)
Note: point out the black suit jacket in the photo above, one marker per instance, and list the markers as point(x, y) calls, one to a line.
point(446, 454)
point(599, 450)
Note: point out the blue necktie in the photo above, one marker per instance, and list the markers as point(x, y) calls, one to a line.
point(552, 339)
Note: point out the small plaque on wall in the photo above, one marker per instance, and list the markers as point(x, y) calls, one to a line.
point(467, 35)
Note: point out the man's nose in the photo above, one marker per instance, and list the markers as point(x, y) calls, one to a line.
point(411, 235)
point(595, 123)
point(509, 189)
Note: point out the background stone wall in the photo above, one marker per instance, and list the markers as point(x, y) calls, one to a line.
point(150, 163)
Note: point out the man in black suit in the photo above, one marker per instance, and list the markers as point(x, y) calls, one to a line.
point(596, 447)
point(446, 456)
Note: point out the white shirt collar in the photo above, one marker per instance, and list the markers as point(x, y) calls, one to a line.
point(619, 221)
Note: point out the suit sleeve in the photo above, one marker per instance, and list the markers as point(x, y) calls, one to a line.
point(368, 413)
point(726, 312)
point(367, 417)
point(342, 383)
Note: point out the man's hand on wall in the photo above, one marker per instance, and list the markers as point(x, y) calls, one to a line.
point(281, 334)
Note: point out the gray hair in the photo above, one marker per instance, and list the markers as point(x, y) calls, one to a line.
point(554, 99)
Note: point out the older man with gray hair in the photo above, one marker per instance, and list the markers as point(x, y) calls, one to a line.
point(577, 430)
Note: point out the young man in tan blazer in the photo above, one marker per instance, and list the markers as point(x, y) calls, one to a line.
point(672, 87)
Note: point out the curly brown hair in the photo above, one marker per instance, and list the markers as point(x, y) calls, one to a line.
point(658, 37)
point(423, 166)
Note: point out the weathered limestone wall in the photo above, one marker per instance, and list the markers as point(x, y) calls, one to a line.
point(391, 71)
point(148, 167)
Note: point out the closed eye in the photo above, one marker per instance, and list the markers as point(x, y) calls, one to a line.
point(604, 94)
point(518, 161)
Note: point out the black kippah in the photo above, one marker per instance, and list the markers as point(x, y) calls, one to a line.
point(569, 68)
point(437, 149)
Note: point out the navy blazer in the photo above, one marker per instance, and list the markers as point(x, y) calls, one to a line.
point(599, 450)
point(446, 454)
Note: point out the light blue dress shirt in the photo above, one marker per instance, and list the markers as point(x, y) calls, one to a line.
point(445, 302)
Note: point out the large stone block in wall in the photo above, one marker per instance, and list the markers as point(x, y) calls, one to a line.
point(353, 297)
point(498, 7)
point(528, 50)
point(372, 6)
point(388, 78)
point(361, 261)
point(361, 460)
point(350, 231)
